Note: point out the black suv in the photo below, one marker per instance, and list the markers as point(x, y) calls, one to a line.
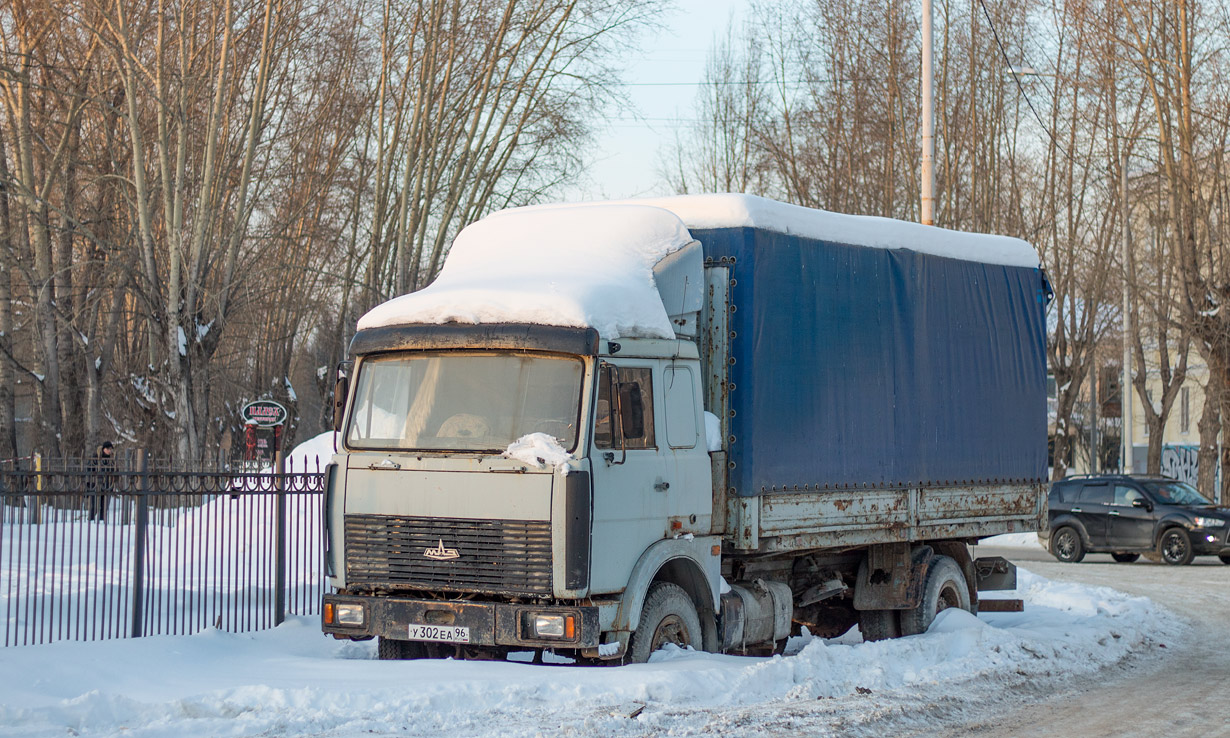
point(1127, 516)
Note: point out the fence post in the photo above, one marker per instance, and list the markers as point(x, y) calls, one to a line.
point(279, 577)
point(138, 546)
point(36, 503)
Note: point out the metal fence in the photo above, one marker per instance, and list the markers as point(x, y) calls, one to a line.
point(91, 551)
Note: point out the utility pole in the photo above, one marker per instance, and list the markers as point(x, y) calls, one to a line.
point(928, 117)
point(1093, 416)
point(1125, 394)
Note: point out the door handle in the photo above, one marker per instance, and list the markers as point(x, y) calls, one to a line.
point(1076, 509)
point(1113, 512)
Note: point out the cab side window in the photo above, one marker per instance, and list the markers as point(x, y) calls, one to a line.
point(625, 409)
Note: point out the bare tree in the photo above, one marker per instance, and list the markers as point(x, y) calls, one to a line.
point(1177, 52)
point(722, 153)
point(195, 193)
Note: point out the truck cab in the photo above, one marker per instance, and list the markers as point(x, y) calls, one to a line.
point(433, 526)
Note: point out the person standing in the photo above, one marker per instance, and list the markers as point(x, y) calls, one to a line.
point(100, 468)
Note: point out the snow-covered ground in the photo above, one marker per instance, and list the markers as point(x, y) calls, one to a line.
point(1013, 540)
point(292, 681)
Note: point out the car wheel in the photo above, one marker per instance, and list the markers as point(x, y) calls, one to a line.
point(878, 625)
point(669, 616)
point(1066, 545)
point(945, 587)
point(1225, 558)
point(1125, 558)
point(1175, 547)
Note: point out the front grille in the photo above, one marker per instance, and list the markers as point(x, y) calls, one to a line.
point(510, 557)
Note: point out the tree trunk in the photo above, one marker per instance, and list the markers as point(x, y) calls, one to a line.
point(8, 374)
point(1210, 429)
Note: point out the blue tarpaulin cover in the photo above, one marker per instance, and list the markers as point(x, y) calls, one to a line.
point(880, 367)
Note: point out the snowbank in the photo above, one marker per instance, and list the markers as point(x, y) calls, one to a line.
point(294, 681)
point(565, 266)
point(312, 455)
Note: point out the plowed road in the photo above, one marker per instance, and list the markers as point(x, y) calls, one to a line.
point(1185, 693)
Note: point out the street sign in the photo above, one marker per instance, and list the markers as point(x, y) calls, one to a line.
point(263, 413)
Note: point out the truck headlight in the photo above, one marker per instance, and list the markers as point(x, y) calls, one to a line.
point(555, 626)
point(1209, 522)
point(348, 613)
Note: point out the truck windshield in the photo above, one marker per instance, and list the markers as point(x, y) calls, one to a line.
point(464, 402)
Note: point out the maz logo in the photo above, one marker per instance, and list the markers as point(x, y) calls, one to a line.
point(440, 553)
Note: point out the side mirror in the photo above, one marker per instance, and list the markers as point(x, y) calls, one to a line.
point(631, 410)
point(340, 390)
point(1142, 503)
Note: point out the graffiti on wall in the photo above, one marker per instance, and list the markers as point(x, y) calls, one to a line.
point(1181, 462)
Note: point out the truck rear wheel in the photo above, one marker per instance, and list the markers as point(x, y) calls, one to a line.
point(669, 616)
point(945, 587)
point(878, 625)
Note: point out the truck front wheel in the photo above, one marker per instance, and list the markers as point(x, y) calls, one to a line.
point(945, 587)
point(391, 649)
point(668, 617)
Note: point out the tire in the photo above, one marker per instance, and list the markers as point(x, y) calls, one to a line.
point(1225, 558)
point(1175, 547)
point(391, 649)
point(1066, 545)
point(945, 587)
point(1125, 558)
point(669, 616)
point(878, 625)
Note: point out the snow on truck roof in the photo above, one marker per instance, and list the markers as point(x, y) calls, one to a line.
point(734, 211)
point(585, 267)
point(592, 264)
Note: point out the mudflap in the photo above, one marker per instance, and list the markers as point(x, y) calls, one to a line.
point(892, 576)
point(995, 573)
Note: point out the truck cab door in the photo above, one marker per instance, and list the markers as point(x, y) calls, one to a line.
point(632, 481)
point(691, 494)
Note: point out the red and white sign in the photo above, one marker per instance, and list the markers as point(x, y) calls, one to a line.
point(263, 413)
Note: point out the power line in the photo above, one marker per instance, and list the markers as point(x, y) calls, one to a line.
point(1017, 78)
point(742, 83)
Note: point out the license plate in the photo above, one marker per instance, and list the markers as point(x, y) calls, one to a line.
point(440, 633)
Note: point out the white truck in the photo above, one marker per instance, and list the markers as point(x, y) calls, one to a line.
point(702, 420)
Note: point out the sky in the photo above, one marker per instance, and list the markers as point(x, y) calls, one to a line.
point(661, 89)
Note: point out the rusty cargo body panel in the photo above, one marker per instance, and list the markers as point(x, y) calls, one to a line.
point(795, 521)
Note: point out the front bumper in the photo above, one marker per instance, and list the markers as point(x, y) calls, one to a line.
point(490, 623)
point(1210, 541)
